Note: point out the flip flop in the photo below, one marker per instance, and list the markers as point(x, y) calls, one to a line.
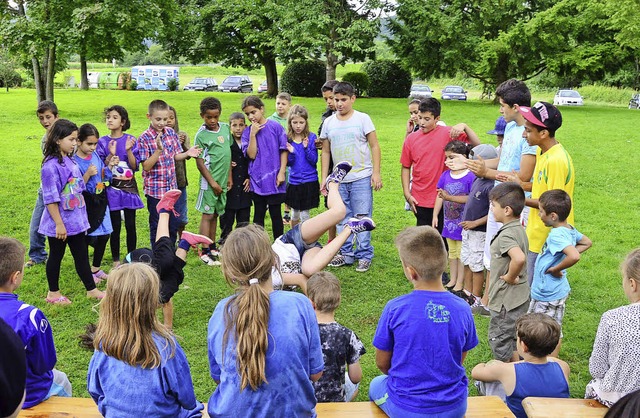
point(62, 300)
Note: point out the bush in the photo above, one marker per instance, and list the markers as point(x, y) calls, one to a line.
point(10, 79)
point(303, 78)
point(172, 84)
point(133, 85)
point(359, 81)
point(387, 79)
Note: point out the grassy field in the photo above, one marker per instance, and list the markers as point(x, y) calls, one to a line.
point(602, 141)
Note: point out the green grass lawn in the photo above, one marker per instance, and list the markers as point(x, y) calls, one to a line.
point(602, 140)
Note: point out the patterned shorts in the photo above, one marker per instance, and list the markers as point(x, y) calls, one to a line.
point(554, 309)
point(473, 249)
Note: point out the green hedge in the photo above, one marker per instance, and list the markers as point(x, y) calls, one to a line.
point(387, 79)
point(303, 78)
point(359, 81)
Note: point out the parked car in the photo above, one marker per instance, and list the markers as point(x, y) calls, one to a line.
point(420, 91)
point(237, 83)
point(567, 97)
point(202, 84)
point(454, 93)
point(262, 88)
point(634, 103)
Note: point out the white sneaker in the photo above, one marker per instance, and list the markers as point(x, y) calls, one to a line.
point(209, 261)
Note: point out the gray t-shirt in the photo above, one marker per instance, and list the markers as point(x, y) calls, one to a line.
point(348, 139)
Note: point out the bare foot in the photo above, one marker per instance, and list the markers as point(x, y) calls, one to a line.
point(95, 294)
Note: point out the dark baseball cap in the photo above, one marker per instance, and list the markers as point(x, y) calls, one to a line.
point(543, 114)
point(140, 255)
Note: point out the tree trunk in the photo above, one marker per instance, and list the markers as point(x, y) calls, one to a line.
point(330, 70)
point(84, 78)
point(271, 71)
point(37, 80)
point(50, 71)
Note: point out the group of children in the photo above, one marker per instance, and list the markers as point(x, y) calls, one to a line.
point(250, 350)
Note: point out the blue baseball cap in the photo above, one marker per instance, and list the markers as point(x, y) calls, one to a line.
point(500, 125)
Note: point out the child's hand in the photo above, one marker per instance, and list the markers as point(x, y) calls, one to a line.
point(247, 185)
point(182, 137)
point(229, 183)
point(509, 279)
point(412, 202)
point(114, 161)
point(159, 142)
point(255, 128)
point(410, 126)
point(509, 177)
point(234, 164)
point(280, 179)
point(554, 272)
point(442, 194)
point(477, 167)
point(112, 147)
point(376, 182)
point(130, 143)
point(290, 148)
point(194, 151)
point(318, 143)
point(61, 231)
point(217, 190)
point(305, 142)
point(457, 130)
point(92, 170)
point(434, 222)
point(467, 225)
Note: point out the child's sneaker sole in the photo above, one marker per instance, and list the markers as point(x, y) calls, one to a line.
point(195, 239)
point(340, 171)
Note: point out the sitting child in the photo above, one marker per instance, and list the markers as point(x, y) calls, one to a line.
point(550, 287)
point(299, 251)
point(341, 347)
point(168, 262)
point(43, 381)
point(616, 349)
point(537, 374)
point(422, 338)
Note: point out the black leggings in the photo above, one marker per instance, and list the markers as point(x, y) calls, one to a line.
point(99, 245)
point(79, 251)
point(241, 217)
point(129, 225)
point(275, 212)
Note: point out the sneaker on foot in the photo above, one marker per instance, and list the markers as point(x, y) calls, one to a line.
point(209, 261)
point(286, 219)
point(361, 224)
point(168, 201)
point(467, 297)
point(340, 171)
point(338, 261)
point(30, 263)
point(363, 265)
point(99, 276)
point(195, 239)
point(480, 309)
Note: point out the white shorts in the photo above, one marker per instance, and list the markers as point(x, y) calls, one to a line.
point(473, 249)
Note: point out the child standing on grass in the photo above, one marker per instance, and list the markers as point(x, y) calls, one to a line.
point(429, 380)
point(303, 187)
point(264, 345)
point(65, 220)
point(238, 206)
point(341, 347)
point(43, 381)
point(97, 178)
point(214, 165)
point(413, 124)
point(47, 113)
point(561, 250)
point(283, 105)
point(453, 190)
point(614, 365)
point(327, 95)
point(123, 195)
point(181, 171)
point(508, 287)
point(159, 150)
point(138, 367)
point(265, 143)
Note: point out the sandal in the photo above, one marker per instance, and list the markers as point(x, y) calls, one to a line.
point(62, 300)
point(99, 276)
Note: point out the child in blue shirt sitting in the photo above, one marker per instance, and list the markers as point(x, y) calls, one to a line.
point(423, 337)
point(537, 374)
point(550, 288)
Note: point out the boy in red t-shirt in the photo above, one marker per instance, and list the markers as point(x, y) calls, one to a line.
point(423, 157)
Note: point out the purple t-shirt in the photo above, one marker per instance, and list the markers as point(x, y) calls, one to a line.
point(121, 199)
point(263, 170)
point(453, 211)
point(63, 184)
point(477, 205)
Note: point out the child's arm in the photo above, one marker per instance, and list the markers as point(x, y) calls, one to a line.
point(496, 371)
point(518, 260)
point(436, 211)
point(131, 156)
point(474, 224)
point(204, 172)
point(442, 193)
point(291, 158)
point(92, 170)
point(54, 211)
point(405, 176)
point(383, 360)
point(326, 159)
point(572, 256)
point(584, 244)
point(252, 149)
point(284, 157)
point(148, 164)
point(566, 370)
point(295, 279)
point(191, 152)
point(458, 129)
point(355, 372)
point(310, 150)
point(376, 179)
point(43, 351)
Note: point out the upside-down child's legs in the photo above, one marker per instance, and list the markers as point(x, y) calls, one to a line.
point(167, 314)
point(315, 259)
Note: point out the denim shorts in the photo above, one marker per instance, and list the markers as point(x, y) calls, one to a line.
point(294, 237)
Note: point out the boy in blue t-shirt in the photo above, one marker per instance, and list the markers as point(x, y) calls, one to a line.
point(43, 381)
point(423, 337)
point(550, 288)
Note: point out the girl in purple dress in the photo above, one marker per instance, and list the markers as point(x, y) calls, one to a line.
point(65, 220)
point(123, 195)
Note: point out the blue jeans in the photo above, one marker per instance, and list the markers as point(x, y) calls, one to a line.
point(358, 198)
point(152, 202)
point(181, 207)
point(37, 241)
point(378, 394)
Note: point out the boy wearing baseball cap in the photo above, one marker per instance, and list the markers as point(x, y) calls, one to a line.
point(498, 131)
point(553, 170)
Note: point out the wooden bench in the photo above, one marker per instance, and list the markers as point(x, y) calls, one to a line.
point(57, 407)
point(563, 408)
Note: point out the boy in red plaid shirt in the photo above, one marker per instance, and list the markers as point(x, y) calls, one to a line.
point(159, 148)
